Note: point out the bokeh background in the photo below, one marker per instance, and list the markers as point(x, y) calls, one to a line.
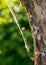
point(12, 46)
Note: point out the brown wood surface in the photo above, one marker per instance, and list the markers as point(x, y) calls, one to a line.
point(36, 14)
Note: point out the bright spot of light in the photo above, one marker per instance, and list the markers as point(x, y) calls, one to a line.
point(0, 51)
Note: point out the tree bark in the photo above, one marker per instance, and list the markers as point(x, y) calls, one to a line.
point(36, 13)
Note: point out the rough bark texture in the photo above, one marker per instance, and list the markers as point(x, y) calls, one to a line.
point(36, 13)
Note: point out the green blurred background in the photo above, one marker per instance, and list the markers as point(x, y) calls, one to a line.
point(12, 47)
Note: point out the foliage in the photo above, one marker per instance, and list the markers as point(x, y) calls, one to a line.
point(12, 47)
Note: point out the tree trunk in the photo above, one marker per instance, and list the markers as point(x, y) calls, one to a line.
point(36, 13)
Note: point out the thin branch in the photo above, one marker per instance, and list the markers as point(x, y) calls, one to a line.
point(27, 46)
